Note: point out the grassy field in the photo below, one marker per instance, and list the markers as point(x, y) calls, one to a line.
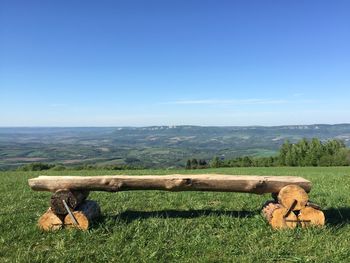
point(155, 226)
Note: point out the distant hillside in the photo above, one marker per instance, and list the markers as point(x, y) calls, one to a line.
point(156, 146)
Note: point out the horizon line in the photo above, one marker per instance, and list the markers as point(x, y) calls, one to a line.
point(180, 125)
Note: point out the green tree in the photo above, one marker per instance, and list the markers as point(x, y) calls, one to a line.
point(215, 162)
point(285, 148)
point(202, 163)
point(302, 147)
point(315, 152)
point(247, 161)
point(188, 164)
point(194, 163)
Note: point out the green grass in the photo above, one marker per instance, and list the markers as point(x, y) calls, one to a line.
point(155, 226)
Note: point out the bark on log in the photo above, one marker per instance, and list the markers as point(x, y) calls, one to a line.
point(72, 198)
point(200, 182)
point(313, 205)
point(84, 215)
point(49, 221)
point(293, 196)
point(278, 216)
point(309, 216)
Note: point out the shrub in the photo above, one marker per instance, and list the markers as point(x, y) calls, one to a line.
point(36, 167)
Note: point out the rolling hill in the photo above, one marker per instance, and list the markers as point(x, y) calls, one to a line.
point(155, 146)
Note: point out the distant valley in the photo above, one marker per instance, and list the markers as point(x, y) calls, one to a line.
point(151, 147)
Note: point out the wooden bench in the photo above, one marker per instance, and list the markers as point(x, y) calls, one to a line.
point(70, 208)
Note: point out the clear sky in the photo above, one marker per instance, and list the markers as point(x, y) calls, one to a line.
point(172, 62)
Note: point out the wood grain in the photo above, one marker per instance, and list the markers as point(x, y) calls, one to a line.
point(175, 182)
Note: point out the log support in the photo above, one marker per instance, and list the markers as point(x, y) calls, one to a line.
point(85, 214)
point(81, 218)
point(70, 209)
point(278, 216)
point(72, 199)
point(49, 221)
point(298, 210)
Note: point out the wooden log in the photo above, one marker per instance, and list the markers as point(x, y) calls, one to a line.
point(278, 216)
point(49, 221)
point(200, 182)
point(84, 215)
point(73, 199)
point(309, 216)
point(293, 196)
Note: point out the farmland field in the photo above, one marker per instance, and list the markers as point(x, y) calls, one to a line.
point(156, 226)
point(151, 147)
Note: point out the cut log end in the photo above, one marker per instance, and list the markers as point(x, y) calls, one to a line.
point(293, 197)
point(49, 221)
point(84, 215)
point(72, 198)
point(310, 216)
point(278, 216)
point(281, 219)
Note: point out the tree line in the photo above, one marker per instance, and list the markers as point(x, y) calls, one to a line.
point(196, 164)
point(303, 153)
point(38, 166)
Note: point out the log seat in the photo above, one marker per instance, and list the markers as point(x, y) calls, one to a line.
point(175, 182)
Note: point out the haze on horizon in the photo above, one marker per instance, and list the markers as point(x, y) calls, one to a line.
point(144, 63)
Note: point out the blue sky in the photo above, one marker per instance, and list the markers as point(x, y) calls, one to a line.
point(140, 63)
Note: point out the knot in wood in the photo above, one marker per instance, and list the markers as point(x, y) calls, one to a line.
point(260, 186)
point(188, 182)
point(174, 184)
point(114, 185)
point(105, 181)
